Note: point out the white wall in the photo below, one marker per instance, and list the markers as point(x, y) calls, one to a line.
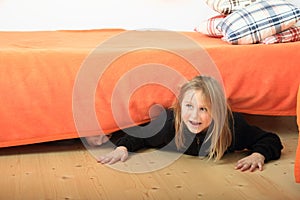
point(90, 14)
point(94, 14)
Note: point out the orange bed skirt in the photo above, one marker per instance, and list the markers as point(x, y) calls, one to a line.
point(39, 72)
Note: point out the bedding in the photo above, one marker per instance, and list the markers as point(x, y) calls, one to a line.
point(39, 70)
point(226, 7)
point(290, 35)
point(258, 21)
point(209, 26)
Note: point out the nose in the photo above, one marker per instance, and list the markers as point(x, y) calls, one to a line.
point(195, 114)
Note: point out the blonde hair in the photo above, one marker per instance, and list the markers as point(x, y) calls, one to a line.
point(219, 133)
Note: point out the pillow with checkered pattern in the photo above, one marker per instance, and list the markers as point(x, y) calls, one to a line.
point(260, 20)
point(226, 7)
point(290, 35)
point(209, 26)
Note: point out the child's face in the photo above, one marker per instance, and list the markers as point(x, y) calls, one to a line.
point(195, 112)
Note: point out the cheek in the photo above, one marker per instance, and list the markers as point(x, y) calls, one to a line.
point(207, 118)
point(184, 114)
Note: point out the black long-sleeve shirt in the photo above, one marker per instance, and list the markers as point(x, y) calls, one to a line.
point(160, 133)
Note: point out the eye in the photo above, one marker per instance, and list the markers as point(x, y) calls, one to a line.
point(189, 106)
point(203, 109)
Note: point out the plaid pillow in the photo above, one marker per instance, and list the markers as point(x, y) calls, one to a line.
point(209, 26)
point(258, 21)
point(290, 35)
point(226, 7)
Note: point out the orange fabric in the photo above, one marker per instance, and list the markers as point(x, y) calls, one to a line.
point(38, 71)
point(297, 160)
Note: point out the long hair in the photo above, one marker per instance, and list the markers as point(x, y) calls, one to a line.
point(219, 133)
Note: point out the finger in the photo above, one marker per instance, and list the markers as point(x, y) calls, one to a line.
point(253, 167)
point(238, 166)
point(105, 160)
point(260, 166)
point(245, 167)
point(100, 159)
point(112, 161)
point(124, 157)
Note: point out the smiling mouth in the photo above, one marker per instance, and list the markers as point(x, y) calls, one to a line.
point(195, 123)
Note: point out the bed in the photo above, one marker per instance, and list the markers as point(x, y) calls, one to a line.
point(40, 79)
point(39, 71)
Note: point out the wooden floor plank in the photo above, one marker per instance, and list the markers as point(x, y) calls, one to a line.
point(67, 170)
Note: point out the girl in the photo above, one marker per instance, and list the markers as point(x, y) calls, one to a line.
point(201, 123)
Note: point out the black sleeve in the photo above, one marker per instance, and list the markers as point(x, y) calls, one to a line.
point(255, 139)
point(156, 134)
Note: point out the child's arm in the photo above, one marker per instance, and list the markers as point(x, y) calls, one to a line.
point(157, 135)
point(265, 146)
point(119, 154)
point(154, 135)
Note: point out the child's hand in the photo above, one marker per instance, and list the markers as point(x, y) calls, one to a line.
point(97, 140)
point(119, 154)
point(251, 162)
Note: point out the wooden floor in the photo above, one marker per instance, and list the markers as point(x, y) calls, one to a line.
point(66, 170)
